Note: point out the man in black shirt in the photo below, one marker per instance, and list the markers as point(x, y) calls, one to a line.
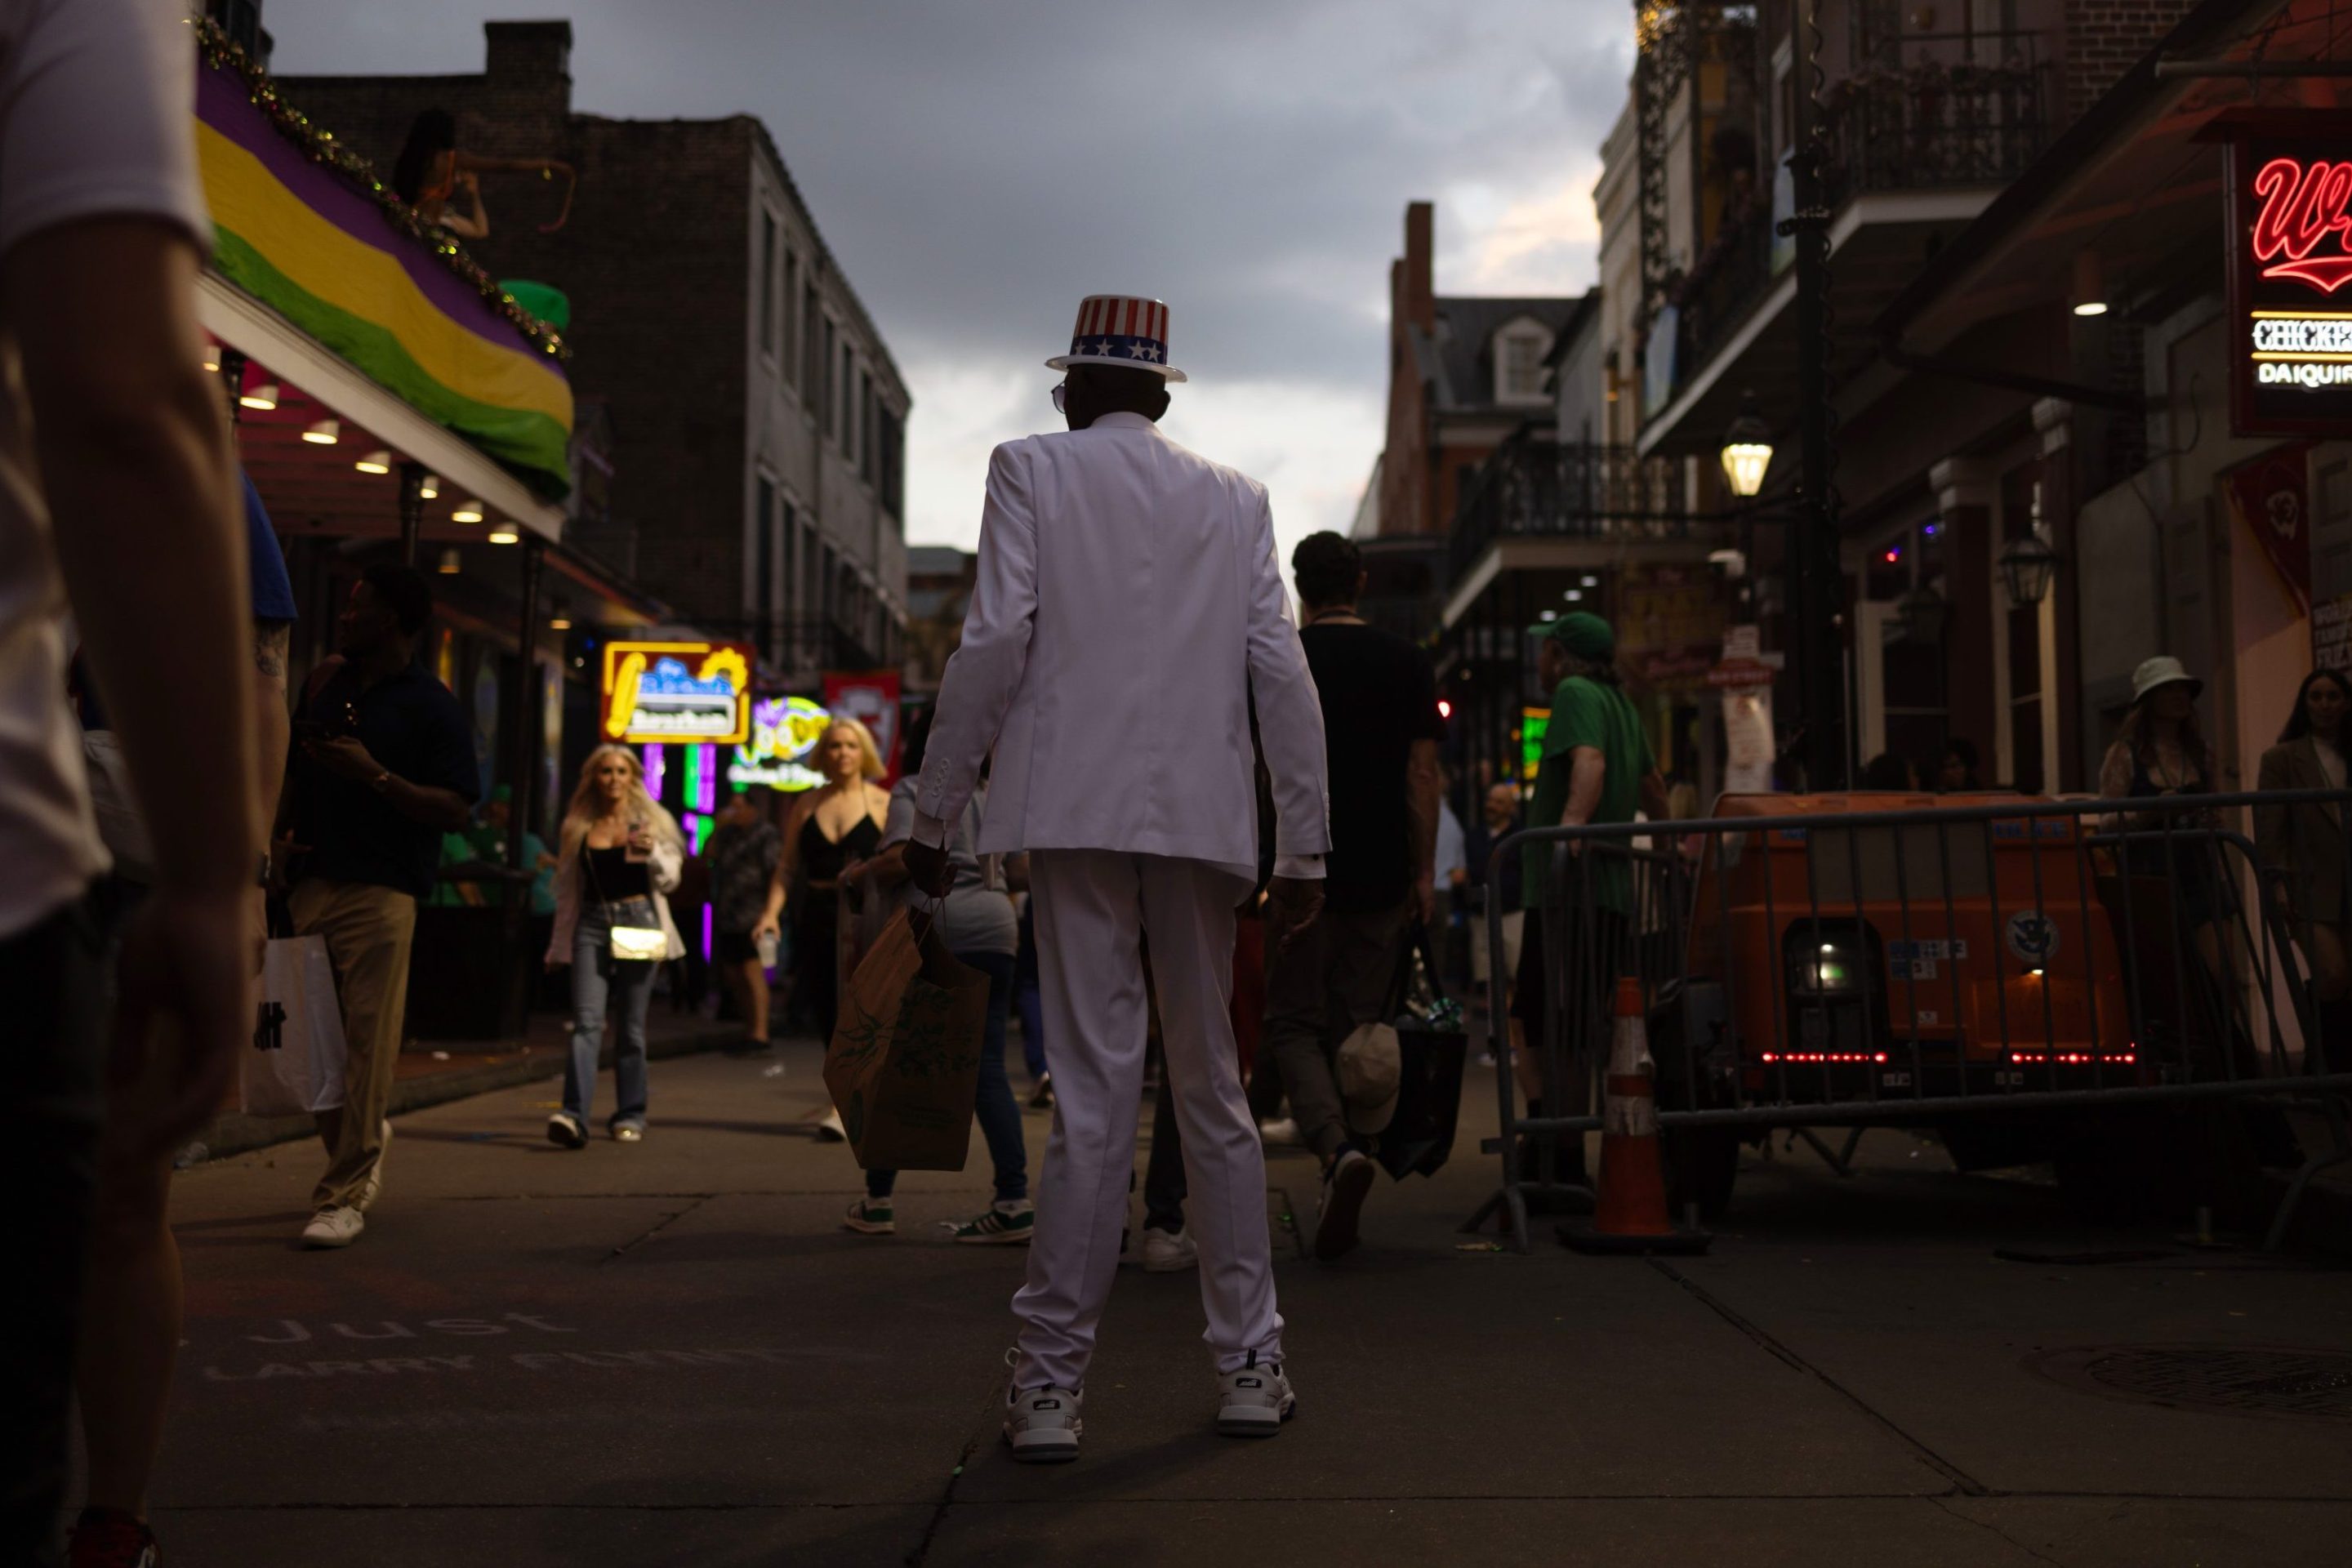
point(383, 766)
point(1381, 729)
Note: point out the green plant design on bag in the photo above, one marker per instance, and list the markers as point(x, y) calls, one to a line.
point(860, 1039)
point(926, 1047)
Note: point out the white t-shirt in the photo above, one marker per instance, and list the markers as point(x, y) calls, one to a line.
point(97, 119)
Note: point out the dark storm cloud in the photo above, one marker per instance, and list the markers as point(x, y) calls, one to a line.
point(978, 166)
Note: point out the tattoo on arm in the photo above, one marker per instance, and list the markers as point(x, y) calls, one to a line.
point(271, 639)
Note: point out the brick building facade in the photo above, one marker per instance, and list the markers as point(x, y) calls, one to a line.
point(1463, 372)
point(757, 419)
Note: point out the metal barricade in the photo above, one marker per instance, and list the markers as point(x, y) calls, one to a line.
point(2013, 975)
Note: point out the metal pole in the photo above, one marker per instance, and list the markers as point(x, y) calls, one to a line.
point(1816, 581)
point(412, 510)
point(522, 807)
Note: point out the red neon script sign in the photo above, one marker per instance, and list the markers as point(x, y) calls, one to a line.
point(2303, 203)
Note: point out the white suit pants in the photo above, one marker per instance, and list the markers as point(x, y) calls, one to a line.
point(1092, 906)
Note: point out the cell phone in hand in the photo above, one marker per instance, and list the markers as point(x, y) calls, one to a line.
point(637, 847)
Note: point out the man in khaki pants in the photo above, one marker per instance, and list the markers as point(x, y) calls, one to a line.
point(385, 766)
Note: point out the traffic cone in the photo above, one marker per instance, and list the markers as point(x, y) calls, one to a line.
point(1630, 1215)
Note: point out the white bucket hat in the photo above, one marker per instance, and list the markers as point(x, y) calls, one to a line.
point(2162, 670)
point(1371, 1070)
point(1119, 330)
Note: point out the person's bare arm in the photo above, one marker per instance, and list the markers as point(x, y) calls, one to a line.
point(1588, 769)
point(474, 224)
point(428, 804)
point(139, 474)
point(888, 867)
point(1654, 796)
point(1421, 789)
point(772, 917)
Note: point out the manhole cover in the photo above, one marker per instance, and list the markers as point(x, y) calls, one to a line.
point(2246, 1380)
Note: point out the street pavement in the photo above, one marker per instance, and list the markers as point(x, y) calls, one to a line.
point(672, 1353)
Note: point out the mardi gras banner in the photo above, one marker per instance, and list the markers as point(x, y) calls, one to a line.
point(297, 235)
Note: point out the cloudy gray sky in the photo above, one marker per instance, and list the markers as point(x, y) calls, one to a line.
point(978, 165)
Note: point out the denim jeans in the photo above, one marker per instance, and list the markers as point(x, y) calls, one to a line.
point(598, 980)
point(1000, 1118)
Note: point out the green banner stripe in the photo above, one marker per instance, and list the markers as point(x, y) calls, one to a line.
point(533, 446)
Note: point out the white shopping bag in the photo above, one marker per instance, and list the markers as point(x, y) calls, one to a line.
point(295, 1063)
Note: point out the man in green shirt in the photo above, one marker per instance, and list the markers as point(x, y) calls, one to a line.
point(1596, 767)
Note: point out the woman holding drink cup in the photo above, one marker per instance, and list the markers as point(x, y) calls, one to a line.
point(621, 852)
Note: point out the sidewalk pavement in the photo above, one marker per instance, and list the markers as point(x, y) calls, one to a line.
point(433, 1072)
point(672, 1353)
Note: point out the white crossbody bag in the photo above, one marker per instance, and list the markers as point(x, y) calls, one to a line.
point(631, 944)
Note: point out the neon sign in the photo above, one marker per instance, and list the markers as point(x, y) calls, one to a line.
point(2289, 253)
point(657, 692)
point(782, 742)
point(2303, 203)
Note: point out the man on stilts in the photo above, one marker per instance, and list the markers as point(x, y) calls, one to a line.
point(1129, 607)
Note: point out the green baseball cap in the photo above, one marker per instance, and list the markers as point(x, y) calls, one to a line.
point(1581, 632)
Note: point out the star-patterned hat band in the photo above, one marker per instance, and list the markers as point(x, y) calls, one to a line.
point(1119, 330)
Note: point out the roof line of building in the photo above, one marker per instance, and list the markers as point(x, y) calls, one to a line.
point(865, 317)
point(766, 141)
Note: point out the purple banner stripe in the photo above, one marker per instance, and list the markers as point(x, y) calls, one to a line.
point(222, 103)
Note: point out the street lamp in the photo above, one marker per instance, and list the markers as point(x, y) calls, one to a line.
point(2026, 566)
point(1747, 449)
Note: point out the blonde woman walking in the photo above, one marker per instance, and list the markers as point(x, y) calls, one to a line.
point(620, 854)
point(832, 830)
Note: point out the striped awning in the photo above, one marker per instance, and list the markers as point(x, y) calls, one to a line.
point(297, 236)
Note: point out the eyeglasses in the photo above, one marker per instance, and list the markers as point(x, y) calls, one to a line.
point(1060, 387)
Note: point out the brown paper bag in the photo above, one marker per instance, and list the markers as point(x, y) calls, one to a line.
point(903, 1065)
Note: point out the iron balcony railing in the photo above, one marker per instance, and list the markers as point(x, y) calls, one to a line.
point(1534, 488)
point(1924, 111)
point(1932, 110)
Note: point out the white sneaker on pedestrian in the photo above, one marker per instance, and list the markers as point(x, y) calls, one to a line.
point(1254, 1400)
point(372, 1188)
point(830, 1130)
point(1345, 1186)
point(565, 1132)
point(1169, 1251)
point(1271, 1132)
point(337, 1224)
point(1042, 1425)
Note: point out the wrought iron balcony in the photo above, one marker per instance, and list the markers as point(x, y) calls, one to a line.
point(1922, 112)
point(1934, 110)
point(1535, 488)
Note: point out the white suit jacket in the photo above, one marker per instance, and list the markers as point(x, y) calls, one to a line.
point(1129, 606)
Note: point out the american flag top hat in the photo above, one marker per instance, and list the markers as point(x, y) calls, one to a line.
point(1119, 330)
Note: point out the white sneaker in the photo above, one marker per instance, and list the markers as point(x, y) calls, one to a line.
point(372, 1188)
point(1253, 1401)
point(1345, 1187)
point(1042, 1425)
point(1283, 1131)
point(1169, 1252)
point(338, 1224)
point(830, 1130)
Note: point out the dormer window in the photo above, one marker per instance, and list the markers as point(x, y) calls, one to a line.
point(1520, 350)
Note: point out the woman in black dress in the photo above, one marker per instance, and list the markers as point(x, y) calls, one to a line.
point(832, 828)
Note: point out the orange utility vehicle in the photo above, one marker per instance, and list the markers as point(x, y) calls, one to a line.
point(1870, 967)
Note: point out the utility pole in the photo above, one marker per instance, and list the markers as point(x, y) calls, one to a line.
point(1816, 581)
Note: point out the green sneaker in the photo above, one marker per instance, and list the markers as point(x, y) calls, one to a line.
point(871, 1217)
point(995, 1226)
